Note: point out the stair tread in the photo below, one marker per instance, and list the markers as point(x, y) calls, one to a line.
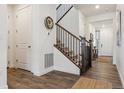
point(70, 53)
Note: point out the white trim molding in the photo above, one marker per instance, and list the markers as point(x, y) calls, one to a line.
point(122, 80)
point(4, 87)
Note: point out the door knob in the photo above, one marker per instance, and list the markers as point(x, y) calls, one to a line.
point(29, 46)
point(16, 45)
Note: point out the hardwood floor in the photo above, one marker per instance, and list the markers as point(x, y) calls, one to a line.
point(88, 83)
point(21, 79)
point(106, 72)
point(104, 59)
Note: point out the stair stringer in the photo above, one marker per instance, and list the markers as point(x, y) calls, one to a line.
point(62, 63)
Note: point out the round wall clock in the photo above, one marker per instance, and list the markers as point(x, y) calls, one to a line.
point(49, 22)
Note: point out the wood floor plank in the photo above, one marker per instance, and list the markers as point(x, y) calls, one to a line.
point(22, 79)
point(91, 84)
point(87, 83)
point(105, 72)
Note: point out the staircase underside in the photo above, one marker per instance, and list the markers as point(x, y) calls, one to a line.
point(64, 64)
point(76, 49)
point(69, 54)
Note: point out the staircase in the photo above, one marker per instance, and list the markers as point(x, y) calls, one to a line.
point(77, 50)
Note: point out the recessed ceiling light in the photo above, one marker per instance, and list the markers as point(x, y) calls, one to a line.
point(97, 6)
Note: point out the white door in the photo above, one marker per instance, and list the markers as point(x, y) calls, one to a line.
point(10, 52)
point(106, 41)
point(23, 38)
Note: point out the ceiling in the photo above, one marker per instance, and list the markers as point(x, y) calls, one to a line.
point(101, 24)
point(90, 10)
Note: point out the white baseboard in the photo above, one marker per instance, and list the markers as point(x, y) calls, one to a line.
point(122, 80)
point(4, 87)
point(66, 71)
point(47, 70)
point(43, 72)
point(36, 73)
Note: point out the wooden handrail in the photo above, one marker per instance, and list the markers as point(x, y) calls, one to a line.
point(68, 32)
point(58, 6)
point(84, 39)
point(65, 13)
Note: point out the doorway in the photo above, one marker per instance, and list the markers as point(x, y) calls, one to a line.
point(106, 42)
point(22, 33)
point(103, 38)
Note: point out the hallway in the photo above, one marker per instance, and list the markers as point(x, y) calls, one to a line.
point(105, 72)
point(21, 79)
point(104, 59)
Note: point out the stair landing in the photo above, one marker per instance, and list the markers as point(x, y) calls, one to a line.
point(88, 83)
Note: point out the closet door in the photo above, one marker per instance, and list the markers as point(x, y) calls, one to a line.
point(106, 41)
point(23, 38)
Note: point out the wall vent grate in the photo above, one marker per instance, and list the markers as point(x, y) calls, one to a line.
point(48, 60)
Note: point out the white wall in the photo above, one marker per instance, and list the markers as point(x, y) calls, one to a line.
point(62, 63)
point(3, 46)
point(115, 48)
point(88, 28)
point(42, 42)
point(71, 21)
point(74, 21)
point(120, 50)
point(82, 24)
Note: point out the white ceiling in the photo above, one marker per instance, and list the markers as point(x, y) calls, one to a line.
point(90, 10)
point(106, 23)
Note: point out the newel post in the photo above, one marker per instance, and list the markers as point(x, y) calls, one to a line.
point(91, 53)
point(83, 44)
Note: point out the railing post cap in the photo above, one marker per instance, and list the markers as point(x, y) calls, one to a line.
point(90, 40)
point(82, 37)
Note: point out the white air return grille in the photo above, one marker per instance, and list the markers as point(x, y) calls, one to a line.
point(48, 60)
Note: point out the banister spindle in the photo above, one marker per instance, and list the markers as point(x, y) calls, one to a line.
point(59, 33)
point(71, 43)
point(56, 34)
point(61, 39)
point(68, 44)
point(65, 39)
point(76, 51)
point(73, 49)
point(79, 52)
